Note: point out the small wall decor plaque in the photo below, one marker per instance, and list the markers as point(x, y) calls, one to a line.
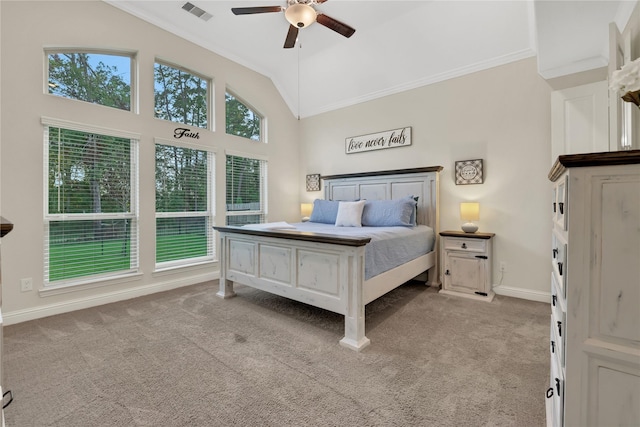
point(469, 172)
point(378, 141)
point(313, 182)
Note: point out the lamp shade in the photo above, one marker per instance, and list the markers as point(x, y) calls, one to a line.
point(305, 210)
point(300, 15)
point(470, 211)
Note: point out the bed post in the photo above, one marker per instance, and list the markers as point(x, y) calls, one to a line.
point(354, 337)
point(434, 219)
point(226, 286)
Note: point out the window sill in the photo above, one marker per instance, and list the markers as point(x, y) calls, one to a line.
point(66, 288)
point(162, 270)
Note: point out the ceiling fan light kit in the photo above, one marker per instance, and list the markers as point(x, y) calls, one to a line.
point(299, 14)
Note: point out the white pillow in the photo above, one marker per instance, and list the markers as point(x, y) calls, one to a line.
point(350, 214)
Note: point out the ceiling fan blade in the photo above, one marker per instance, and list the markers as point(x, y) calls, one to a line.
point(252, 10)
point(335, 25)
point(292, 35)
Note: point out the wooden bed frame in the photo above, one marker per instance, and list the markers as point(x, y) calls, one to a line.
point(327, 271)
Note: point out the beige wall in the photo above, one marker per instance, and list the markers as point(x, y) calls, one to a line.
point(501, 115)
point(29, 27)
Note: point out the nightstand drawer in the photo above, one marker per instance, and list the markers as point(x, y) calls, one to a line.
point(462, 244)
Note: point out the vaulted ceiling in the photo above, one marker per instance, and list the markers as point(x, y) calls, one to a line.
point(398, 45)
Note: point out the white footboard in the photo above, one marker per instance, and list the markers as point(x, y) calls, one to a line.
point(328, 274)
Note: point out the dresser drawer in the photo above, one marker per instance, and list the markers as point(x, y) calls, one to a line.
point(560, 205)
point(555, 393)
point(558, 332)
point(461, 244)
point(559, 261)
point(558, 297)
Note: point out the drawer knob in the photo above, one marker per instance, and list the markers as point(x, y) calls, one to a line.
point(464, 245)
point(560, 268)
point(558, 386)
point(553, 300)
point(553, 346)
point(555, 252)
point(561, 207)
point(549, 392)
point(554, 207)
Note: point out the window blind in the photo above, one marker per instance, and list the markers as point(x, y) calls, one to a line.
point(184, 205)
point(246, 179)
point(91, 216)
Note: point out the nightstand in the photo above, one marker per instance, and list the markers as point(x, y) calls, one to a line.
point(466, 264)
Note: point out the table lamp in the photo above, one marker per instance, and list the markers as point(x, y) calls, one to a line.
point(305, 210)
point(469, 212)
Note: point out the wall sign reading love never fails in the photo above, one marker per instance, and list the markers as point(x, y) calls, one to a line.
point(378, 141)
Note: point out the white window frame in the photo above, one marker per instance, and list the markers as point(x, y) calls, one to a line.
point(209, 95)
point(132, 215)
point(209, 214)
point(263, 119)
point(133, 84)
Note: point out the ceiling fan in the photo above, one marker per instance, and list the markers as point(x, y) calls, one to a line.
point(300, 14)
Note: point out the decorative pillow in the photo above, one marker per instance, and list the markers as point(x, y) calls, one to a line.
point(324, 211)
point(389, 213)
point(350, 214)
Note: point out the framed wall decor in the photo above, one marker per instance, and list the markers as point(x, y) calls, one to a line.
point(469, 172)
point(313, 182)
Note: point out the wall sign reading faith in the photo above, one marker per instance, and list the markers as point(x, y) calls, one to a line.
point(378, 141)
point(180, 132)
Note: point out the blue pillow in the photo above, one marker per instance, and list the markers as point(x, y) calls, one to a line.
point(324, 211)
point(389, 213)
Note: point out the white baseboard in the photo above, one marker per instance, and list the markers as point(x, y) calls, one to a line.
point(523, 293)
point(18, 316)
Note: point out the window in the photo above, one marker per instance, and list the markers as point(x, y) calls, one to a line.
point(246, 190)
point(103, 79)
point(91, 214)
point(184, 205)
point(180, 96)
point(242, 120)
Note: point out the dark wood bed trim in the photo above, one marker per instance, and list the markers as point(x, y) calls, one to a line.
point(299, 235)
point(608, 158)
point(5, 226)
point(380, 173)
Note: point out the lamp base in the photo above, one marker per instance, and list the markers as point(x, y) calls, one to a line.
point(469, 227)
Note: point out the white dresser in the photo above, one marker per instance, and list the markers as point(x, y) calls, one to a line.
point(5, 228)
point(595, 287)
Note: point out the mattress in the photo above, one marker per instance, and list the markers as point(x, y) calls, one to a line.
point(389, 247)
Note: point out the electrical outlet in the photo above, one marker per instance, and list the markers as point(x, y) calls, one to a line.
point(26, 285)
point(503, 266)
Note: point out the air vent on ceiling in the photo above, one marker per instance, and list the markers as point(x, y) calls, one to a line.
point(195, 10)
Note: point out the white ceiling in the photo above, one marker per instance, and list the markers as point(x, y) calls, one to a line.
point(398, 45)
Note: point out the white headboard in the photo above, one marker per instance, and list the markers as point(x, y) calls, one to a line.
point(390, 185)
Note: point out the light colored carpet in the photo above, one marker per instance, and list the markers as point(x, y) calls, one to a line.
point(187, 358)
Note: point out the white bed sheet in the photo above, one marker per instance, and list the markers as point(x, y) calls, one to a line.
point(389, 246)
